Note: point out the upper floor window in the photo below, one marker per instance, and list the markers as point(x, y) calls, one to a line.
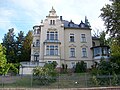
point(71, 37)
point(96, 51)
point(52, 22)
point(84, 52)
point(37, 42)
point(83, 38)
point(72, 52)
point(51, 50)
point(52, 35)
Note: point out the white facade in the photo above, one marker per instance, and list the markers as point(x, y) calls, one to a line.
point(61, 41)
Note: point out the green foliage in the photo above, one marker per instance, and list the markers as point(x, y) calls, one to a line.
point(105, 73)
point(80, 67)
point(9, 44)
point(64, 68)
point(18, 47)
point(111, 17)
point(46, 74)
point(105, 68)
point(103, 40)
point(115, 54)
point(26, 50)
point(4, 66)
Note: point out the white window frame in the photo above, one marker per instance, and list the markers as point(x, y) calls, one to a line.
point(52, 22)
point(72, 37)
point(83, 38)
point(53, 35)
point(72, 52)
point(52, 50)
point(84, 52)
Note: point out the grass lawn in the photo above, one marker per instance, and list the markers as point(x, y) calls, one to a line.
point(63, 81)
point(81, 80)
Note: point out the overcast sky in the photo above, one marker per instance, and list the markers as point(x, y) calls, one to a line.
point(22, 15)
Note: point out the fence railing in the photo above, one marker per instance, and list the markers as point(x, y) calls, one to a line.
point(83, 80)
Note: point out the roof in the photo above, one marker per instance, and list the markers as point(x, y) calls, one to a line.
point(71, 24)
point(100, 46)
point(95, 38)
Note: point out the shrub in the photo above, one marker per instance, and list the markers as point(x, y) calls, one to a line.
point(46, 74)
point(80, 67)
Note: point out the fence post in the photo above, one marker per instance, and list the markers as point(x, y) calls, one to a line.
point(31, 80)
point(2, 81)
point(110, 79)
point(85, 81)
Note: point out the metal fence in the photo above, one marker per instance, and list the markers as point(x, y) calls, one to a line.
point(82, 80)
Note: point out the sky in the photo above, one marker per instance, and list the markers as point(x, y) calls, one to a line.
point(22, 15)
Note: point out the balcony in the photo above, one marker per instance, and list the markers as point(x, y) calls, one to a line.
point(31, 64)
point(52, 41)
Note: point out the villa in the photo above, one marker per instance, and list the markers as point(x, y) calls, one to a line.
point(65, 42)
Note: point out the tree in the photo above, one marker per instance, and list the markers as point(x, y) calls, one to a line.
point(26, 50)
point(111, 17)
point(103, 40)
point(19, 45)
point(4, 66)
point(9, 44)
point(115, 54)
point(2, 59)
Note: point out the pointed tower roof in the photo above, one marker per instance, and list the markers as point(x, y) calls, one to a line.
point(52, 13)
point(87, 22)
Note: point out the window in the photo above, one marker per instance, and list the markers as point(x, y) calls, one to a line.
point(83, 38)
point(51, 50)
point(97, 51)
point(84, 52)
point(37, 43)
point(47, 50)
point(36, 57)
point(52, 35)
point(71, 37)
point(72, 52)
point(52, 22)
point(104, 51)
point(38, 32)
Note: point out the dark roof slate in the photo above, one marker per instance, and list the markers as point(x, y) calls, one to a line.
point(71, 24)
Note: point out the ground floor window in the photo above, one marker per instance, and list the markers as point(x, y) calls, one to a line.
point(36, 57)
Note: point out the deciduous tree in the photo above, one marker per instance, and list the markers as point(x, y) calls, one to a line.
point(111, 17)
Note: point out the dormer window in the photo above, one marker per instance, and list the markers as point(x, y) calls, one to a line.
point(52, 22)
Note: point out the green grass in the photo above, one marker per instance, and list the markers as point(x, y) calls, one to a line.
point(63, 81)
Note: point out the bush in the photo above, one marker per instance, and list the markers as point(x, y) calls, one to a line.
point(80, 67)
point(46, 74)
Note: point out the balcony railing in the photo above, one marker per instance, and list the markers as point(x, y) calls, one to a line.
point(23, 64)
point(51, 41)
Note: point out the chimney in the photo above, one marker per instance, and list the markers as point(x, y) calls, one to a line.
point(61, 18)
